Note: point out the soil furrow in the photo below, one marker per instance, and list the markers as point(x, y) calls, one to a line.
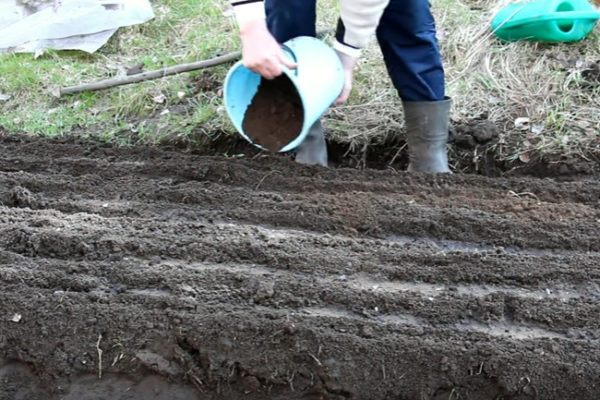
point(149, 273)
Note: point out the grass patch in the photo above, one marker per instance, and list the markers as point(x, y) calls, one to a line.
point(182, 31)
point(554, 87)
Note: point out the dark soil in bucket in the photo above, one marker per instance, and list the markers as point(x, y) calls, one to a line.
point(275, 116)
point(150, 273)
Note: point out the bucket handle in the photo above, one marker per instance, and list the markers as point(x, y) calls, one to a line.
point(287, 49)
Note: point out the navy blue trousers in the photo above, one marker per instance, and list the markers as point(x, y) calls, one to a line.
point(406, 36)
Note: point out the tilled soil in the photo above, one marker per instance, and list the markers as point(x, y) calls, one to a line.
point(149, 273)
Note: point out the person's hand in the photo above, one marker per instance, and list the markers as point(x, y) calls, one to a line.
point(348, 63)
point(260, 51)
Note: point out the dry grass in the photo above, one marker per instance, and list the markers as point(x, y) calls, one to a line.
point(490, 79)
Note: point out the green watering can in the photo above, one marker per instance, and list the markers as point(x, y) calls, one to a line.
point(545, 20)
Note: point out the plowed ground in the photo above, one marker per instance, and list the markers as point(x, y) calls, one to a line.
point(149, 273)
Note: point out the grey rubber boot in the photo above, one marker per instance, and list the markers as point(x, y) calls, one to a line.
point(427, 134)
point(313, 150)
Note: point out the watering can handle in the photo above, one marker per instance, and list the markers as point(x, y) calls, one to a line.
point(287, 49)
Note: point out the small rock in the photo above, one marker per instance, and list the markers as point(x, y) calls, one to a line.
point(251, 384)
point(265, 290)
point(290, 329)
point(367, 332)
point(22, 197)
point(444, 364)
point(158, 362)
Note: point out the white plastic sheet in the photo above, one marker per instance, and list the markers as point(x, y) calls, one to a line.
point(31, 26)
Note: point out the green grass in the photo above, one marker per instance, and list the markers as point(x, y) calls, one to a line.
point(182, 31)
point(504, 81)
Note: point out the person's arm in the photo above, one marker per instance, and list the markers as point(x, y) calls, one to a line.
point(357, 24)
point(260, 51)
point(355, 28)
point(262, 54)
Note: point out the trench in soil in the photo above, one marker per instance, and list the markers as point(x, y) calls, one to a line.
point(154, 273)
point(468, 154)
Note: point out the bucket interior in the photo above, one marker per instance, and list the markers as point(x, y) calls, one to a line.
point(275, 116)
point(567, 25)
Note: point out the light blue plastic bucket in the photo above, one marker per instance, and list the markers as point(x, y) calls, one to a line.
point(318, 78)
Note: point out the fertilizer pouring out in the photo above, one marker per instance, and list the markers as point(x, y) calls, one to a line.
point(278, 114)
point(275, 116)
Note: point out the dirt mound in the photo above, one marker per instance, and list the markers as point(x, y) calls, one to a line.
point(153, 274)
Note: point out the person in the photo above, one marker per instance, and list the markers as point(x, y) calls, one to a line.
point(406, 33)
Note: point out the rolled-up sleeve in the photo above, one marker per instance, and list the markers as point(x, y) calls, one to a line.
point(358, 24)
point(248, 10)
